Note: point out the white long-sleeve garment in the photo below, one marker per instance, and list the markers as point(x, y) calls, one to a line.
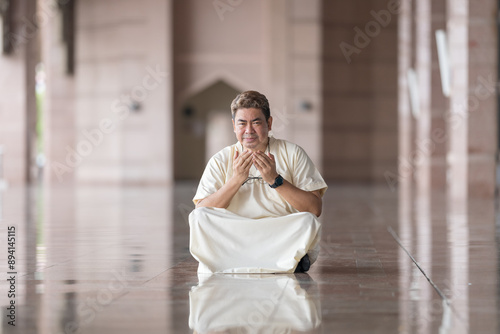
point(259, 232)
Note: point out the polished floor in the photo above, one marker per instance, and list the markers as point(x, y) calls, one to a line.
point(116, 260)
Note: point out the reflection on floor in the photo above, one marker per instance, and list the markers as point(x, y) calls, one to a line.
point(116, 260)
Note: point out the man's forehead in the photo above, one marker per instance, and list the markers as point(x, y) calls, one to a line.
point(249, 114)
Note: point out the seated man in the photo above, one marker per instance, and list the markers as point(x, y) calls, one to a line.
point(258, 200)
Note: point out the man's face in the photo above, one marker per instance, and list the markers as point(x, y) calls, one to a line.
point(251, 128)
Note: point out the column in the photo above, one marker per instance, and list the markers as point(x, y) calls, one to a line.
point(17, 83)
point(59, 108)
point(404, 179)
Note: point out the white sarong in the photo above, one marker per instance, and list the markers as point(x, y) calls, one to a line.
point(223, 242)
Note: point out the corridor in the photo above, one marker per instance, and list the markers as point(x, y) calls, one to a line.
point(116, 260)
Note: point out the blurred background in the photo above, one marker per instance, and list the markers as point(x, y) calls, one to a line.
point(129, 92)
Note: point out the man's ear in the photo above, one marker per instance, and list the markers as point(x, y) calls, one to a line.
point(234, 125)
point(269, 123)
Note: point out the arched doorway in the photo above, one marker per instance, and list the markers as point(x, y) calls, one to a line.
point(203, 127)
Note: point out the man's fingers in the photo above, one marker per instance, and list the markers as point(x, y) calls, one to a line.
point(259, 166)
point(257, 160)
point(244, 161)
point(247, 162)
point(262, 158)
point(247, 156)
point(241, 158)
point(244, 155)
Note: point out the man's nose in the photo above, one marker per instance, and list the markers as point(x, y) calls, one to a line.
point(249, 129)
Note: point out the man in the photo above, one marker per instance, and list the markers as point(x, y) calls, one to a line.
point(258, 200)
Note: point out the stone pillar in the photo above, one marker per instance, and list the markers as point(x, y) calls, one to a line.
point(423, 63)
point(360, 122)
point(17, 83)
point(482, 102)
point(304, 89)
point(383, 50)
point(482, 134)
point(457, 222)
point(59, 107)
point(405, 172)
point(423, 149)
point(403, 179)
point(120, 128)
point(439, 103)
point(458, 21)
point(347, 91)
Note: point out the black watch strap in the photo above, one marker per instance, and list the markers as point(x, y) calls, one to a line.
point(278, 181)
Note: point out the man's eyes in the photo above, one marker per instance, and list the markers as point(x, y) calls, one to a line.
point(254, 123)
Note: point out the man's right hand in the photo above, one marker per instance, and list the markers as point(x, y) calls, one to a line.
point(241, 165)
point(222, 197)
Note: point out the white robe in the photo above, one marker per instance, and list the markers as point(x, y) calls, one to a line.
point(224, 242)
point(260, 232)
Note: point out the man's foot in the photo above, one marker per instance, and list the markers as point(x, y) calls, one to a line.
point(304, 265)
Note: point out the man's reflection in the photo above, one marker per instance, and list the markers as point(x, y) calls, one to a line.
point(254, 304)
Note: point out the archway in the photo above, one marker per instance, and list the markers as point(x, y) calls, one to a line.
point(204, 128)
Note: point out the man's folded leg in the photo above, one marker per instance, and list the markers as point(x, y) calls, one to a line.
point(222, 241)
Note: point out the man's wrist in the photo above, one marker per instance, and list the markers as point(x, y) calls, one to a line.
point(238, 180)
point(278, 181)
point(271, 179)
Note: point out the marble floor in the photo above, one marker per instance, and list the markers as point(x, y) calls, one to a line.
point(116, 260)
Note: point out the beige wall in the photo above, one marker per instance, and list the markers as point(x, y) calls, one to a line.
point(360, 91)
point(123, 57)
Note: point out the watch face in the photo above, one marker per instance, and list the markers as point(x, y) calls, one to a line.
point(277, 182)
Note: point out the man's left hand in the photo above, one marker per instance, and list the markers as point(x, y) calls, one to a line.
point(266, 166)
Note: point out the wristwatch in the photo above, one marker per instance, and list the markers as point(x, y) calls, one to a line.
point(278, 181)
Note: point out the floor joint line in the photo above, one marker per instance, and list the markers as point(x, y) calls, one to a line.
point(441, 294)
point(434, 285)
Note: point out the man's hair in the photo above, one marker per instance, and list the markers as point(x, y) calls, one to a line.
point(251, 99)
